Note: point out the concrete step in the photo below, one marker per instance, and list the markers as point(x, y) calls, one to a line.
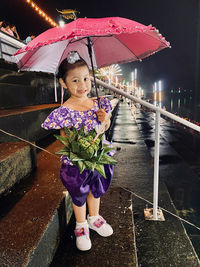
point(19, 95)
point(31, 230)
point(25, 122)
point(26, 78)
point(5, 71)
point(116, 250)
point(7, 65)
point(17, 160)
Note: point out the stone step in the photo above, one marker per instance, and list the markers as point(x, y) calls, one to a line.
point(26, 78)
point(5, 71)
point(31, 230)
point(19, 95)
point(7, 65)
point(116, 250)
point(25, 122)
point(17, 160)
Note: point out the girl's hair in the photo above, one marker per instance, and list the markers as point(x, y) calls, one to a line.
point(65, 66)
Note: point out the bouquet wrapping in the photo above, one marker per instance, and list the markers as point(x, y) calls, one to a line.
point(83, 152)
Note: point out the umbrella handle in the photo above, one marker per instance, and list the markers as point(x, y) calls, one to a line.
point(89, 45)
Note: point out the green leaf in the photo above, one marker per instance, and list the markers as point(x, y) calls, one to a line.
point(63, 140)
point(91, 165)
point(82, 130)
point(105, 159)
point(63, 150)
point(68, 133)
point(81, 166)
point(74, 130)
point(75, 147)
point(100, 169)
point(74, 157)
point(108, 149)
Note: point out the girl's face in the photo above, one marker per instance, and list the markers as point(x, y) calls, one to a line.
point(78, 82)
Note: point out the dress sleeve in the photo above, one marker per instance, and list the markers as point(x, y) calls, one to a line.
point(106, 104)
point(57, 119)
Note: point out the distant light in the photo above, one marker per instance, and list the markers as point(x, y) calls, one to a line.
point(132, 76)
point(135, 74)
point(61, 23)
point(159, 86)
point(41, 13)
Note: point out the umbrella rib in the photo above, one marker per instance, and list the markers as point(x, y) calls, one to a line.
point(77, 40)
point(160, 39)
point(126, 47)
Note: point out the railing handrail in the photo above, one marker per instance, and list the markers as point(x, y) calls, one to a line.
point(157, 214)
point(5, 36)
point(150, 106)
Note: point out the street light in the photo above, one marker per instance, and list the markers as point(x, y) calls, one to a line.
point(61, 23)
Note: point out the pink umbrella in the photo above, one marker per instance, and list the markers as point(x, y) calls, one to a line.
point(109, 41)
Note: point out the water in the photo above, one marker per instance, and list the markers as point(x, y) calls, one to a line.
point(180, 104)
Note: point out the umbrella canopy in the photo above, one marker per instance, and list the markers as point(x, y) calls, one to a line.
point(113, 39)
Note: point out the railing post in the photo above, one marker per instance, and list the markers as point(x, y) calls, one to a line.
point(156, 166)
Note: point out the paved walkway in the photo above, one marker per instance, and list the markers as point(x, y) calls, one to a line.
point(158, 243)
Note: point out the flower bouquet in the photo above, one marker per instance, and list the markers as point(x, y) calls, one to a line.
point(85, 150)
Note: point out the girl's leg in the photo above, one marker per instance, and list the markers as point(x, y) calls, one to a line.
point(93, 204)
point(83, 241)
point(101, 227)
point(80, 213)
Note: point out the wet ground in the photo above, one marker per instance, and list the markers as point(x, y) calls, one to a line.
point(178, 144)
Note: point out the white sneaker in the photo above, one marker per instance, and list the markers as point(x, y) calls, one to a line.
point(98, 224)
point(82, 234)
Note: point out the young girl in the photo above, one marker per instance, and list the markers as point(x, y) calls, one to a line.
point(88, 186)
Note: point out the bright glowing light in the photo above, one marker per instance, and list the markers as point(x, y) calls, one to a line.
point(132, 76)
point(155, 91)
point(135, 74)
point(61, 23)
point(159, 86)
point(41, 13)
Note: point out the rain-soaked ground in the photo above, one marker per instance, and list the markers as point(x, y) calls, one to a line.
point(177, 144)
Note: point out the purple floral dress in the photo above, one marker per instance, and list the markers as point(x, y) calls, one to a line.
point(79, 184)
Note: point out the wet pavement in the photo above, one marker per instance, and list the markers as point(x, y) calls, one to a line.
point(158, 243)
point(179, 167)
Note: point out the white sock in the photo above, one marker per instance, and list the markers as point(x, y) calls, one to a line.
point(93, 217)
point(80, 224)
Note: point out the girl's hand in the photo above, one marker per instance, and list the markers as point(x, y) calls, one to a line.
point(101, 114)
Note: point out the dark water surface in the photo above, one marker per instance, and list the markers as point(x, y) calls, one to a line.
point(182, 105)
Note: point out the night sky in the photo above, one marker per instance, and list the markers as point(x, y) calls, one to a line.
point(176, 20)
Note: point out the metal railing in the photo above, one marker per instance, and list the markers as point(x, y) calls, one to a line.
point(158, 111)
point(8, 46)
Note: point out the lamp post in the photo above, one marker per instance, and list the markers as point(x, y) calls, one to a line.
point(135, 81)
point(160, 93)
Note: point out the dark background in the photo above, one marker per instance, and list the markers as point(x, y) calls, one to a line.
point(177, 21)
